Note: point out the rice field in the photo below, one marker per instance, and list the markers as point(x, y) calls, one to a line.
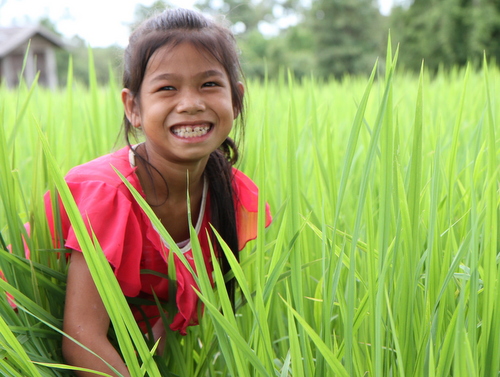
point(382, 258)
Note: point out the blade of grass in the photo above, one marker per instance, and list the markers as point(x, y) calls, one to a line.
point(331, 360)
point(15, 351)
point(126, 328)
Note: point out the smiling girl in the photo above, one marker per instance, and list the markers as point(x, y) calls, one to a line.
point(182, 92)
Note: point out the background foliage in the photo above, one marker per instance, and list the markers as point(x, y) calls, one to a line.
point(333, 37)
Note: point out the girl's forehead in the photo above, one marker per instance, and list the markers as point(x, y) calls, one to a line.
point(182, 53)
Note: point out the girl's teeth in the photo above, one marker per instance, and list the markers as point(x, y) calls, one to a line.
point(189, 131)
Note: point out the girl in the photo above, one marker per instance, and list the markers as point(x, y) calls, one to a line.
point(182, 91)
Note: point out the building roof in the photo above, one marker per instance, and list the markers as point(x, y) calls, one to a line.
point(13, 37)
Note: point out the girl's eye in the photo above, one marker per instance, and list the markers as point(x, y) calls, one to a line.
point(210, 84)
point(168, 87)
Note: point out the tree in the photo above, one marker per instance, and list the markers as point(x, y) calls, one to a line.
point(288, 47)
point(485, 36)
point(289, 50)
point(446, 33)
point(250, 15)
point(436, 31)
point(457, 31)
point(412, 28)
point(347, 36)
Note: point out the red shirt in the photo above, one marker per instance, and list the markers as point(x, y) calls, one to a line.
point(131, 243)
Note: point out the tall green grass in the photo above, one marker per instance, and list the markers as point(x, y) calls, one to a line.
point(382, 258)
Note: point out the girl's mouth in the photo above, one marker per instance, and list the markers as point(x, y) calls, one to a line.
point(190, 131)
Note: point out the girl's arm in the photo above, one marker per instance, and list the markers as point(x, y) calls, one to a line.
point(86, 320)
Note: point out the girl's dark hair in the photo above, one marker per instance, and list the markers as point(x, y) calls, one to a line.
point(173, 27)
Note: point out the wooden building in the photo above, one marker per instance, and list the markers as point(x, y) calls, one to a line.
point(41, 56)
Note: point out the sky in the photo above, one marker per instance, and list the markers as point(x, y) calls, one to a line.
point(101, 23)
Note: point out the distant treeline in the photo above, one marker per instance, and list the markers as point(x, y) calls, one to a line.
point(333, 38)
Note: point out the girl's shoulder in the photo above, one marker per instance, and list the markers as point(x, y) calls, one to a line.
point(98, 177)
point(245, 190)
point(102, 169)
point(246, 200)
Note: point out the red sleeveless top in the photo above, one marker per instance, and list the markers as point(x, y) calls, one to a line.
point(131, 243)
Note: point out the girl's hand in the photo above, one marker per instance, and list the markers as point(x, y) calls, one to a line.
point(159, 333)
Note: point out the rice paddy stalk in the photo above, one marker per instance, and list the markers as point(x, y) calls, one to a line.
point(491, 321)
point(382, 255)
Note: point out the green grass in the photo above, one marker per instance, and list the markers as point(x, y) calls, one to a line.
point(382, 258)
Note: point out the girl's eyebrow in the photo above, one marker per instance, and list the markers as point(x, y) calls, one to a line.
point(164, 76)
point(212, 72)
point(169, 76)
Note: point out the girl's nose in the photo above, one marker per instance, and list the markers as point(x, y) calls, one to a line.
point(190, 102)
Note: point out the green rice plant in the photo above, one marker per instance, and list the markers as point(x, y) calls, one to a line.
point(381, 259)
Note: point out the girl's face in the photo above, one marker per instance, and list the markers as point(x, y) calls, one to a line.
point(184, 106)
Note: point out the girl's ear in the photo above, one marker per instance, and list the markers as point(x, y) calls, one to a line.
point(131, 108)
point(241, 89)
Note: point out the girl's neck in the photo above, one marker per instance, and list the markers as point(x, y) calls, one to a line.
point(164, 180)
point(165, 187)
